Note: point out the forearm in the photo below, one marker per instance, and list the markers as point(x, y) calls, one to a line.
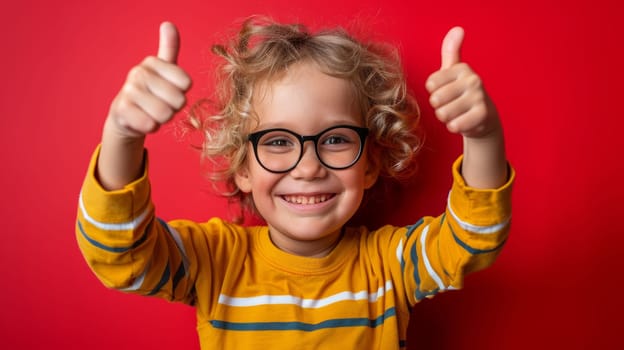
point(121, 159)
point(484, 164)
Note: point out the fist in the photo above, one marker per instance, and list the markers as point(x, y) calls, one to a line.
point(153, 92)
point(457, 94)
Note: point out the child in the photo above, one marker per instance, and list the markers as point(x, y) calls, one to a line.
point(309, 121)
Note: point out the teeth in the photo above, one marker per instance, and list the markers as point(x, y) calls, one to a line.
point(306, 199)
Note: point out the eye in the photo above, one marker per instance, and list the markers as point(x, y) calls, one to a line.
point(277, 142)
point(339, 140)
point(336, 140)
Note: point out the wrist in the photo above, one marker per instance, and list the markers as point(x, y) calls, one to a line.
point(493, 136)
point(485, 161)
point(115, 134)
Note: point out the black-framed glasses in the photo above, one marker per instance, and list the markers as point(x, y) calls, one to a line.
point(280, 150)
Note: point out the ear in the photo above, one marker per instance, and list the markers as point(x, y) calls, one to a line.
point(243, 179)
point(371, 175)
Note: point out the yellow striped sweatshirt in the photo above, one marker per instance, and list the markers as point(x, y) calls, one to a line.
point(249, 294)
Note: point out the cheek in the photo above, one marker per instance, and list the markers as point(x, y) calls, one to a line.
point(262, 182)
point(355, 179)
point(263, 185)
point(368, 171)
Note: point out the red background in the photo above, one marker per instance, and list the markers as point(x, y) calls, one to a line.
point(554, 68)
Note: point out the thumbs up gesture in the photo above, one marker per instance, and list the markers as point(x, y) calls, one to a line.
point(154, 90)
point(457, 94)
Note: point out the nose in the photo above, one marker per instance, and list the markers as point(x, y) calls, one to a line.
point(309, 166)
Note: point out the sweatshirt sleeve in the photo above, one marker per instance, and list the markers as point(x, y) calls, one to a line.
point(436, 253)
point(126, 246)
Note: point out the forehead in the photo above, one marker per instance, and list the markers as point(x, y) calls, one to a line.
point(303, 96)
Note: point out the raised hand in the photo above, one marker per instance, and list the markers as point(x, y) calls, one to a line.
point(154, 90)
point(457, 94)
point(460, 101)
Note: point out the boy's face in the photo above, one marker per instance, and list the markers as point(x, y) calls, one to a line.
point(306, 207)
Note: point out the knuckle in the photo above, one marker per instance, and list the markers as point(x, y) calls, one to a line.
point(474, 81)
point(442, 114)
point(123, 122)
point(120, 107)
point(480, 110)
point(463, 67)
point(130, 88)
point(185, 82)
point(122, 103)
point(144, 126)
point(149, 125)
point(180, 79)
point(180, 102)
point(136, 73)
point(149, 61)
point(162, 113)
point(431, 83)
point(453, 126)
point(434, 100)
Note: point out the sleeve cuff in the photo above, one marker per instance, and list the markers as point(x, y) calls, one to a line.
point(480, 207)
point(116, 206)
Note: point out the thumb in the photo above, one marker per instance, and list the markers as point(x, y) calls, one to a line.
point(451, 47)
point(169, 43)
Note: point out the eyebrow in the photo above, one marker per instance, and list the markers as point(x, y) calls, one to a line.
point(320, 127)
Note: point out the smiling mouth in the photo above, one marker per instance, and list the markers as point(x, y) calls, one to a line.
point(307, 200)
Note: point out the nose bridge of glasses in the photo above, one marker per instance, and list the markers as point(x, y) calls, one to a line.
point(312, 145)
point(308, 164)
point(304, 138)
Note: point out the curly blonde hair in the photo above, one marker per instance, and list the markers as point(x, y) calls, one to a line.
point(261, 51)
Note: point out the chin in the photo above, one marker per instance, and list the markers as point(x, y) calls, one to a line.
point(307, 232)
